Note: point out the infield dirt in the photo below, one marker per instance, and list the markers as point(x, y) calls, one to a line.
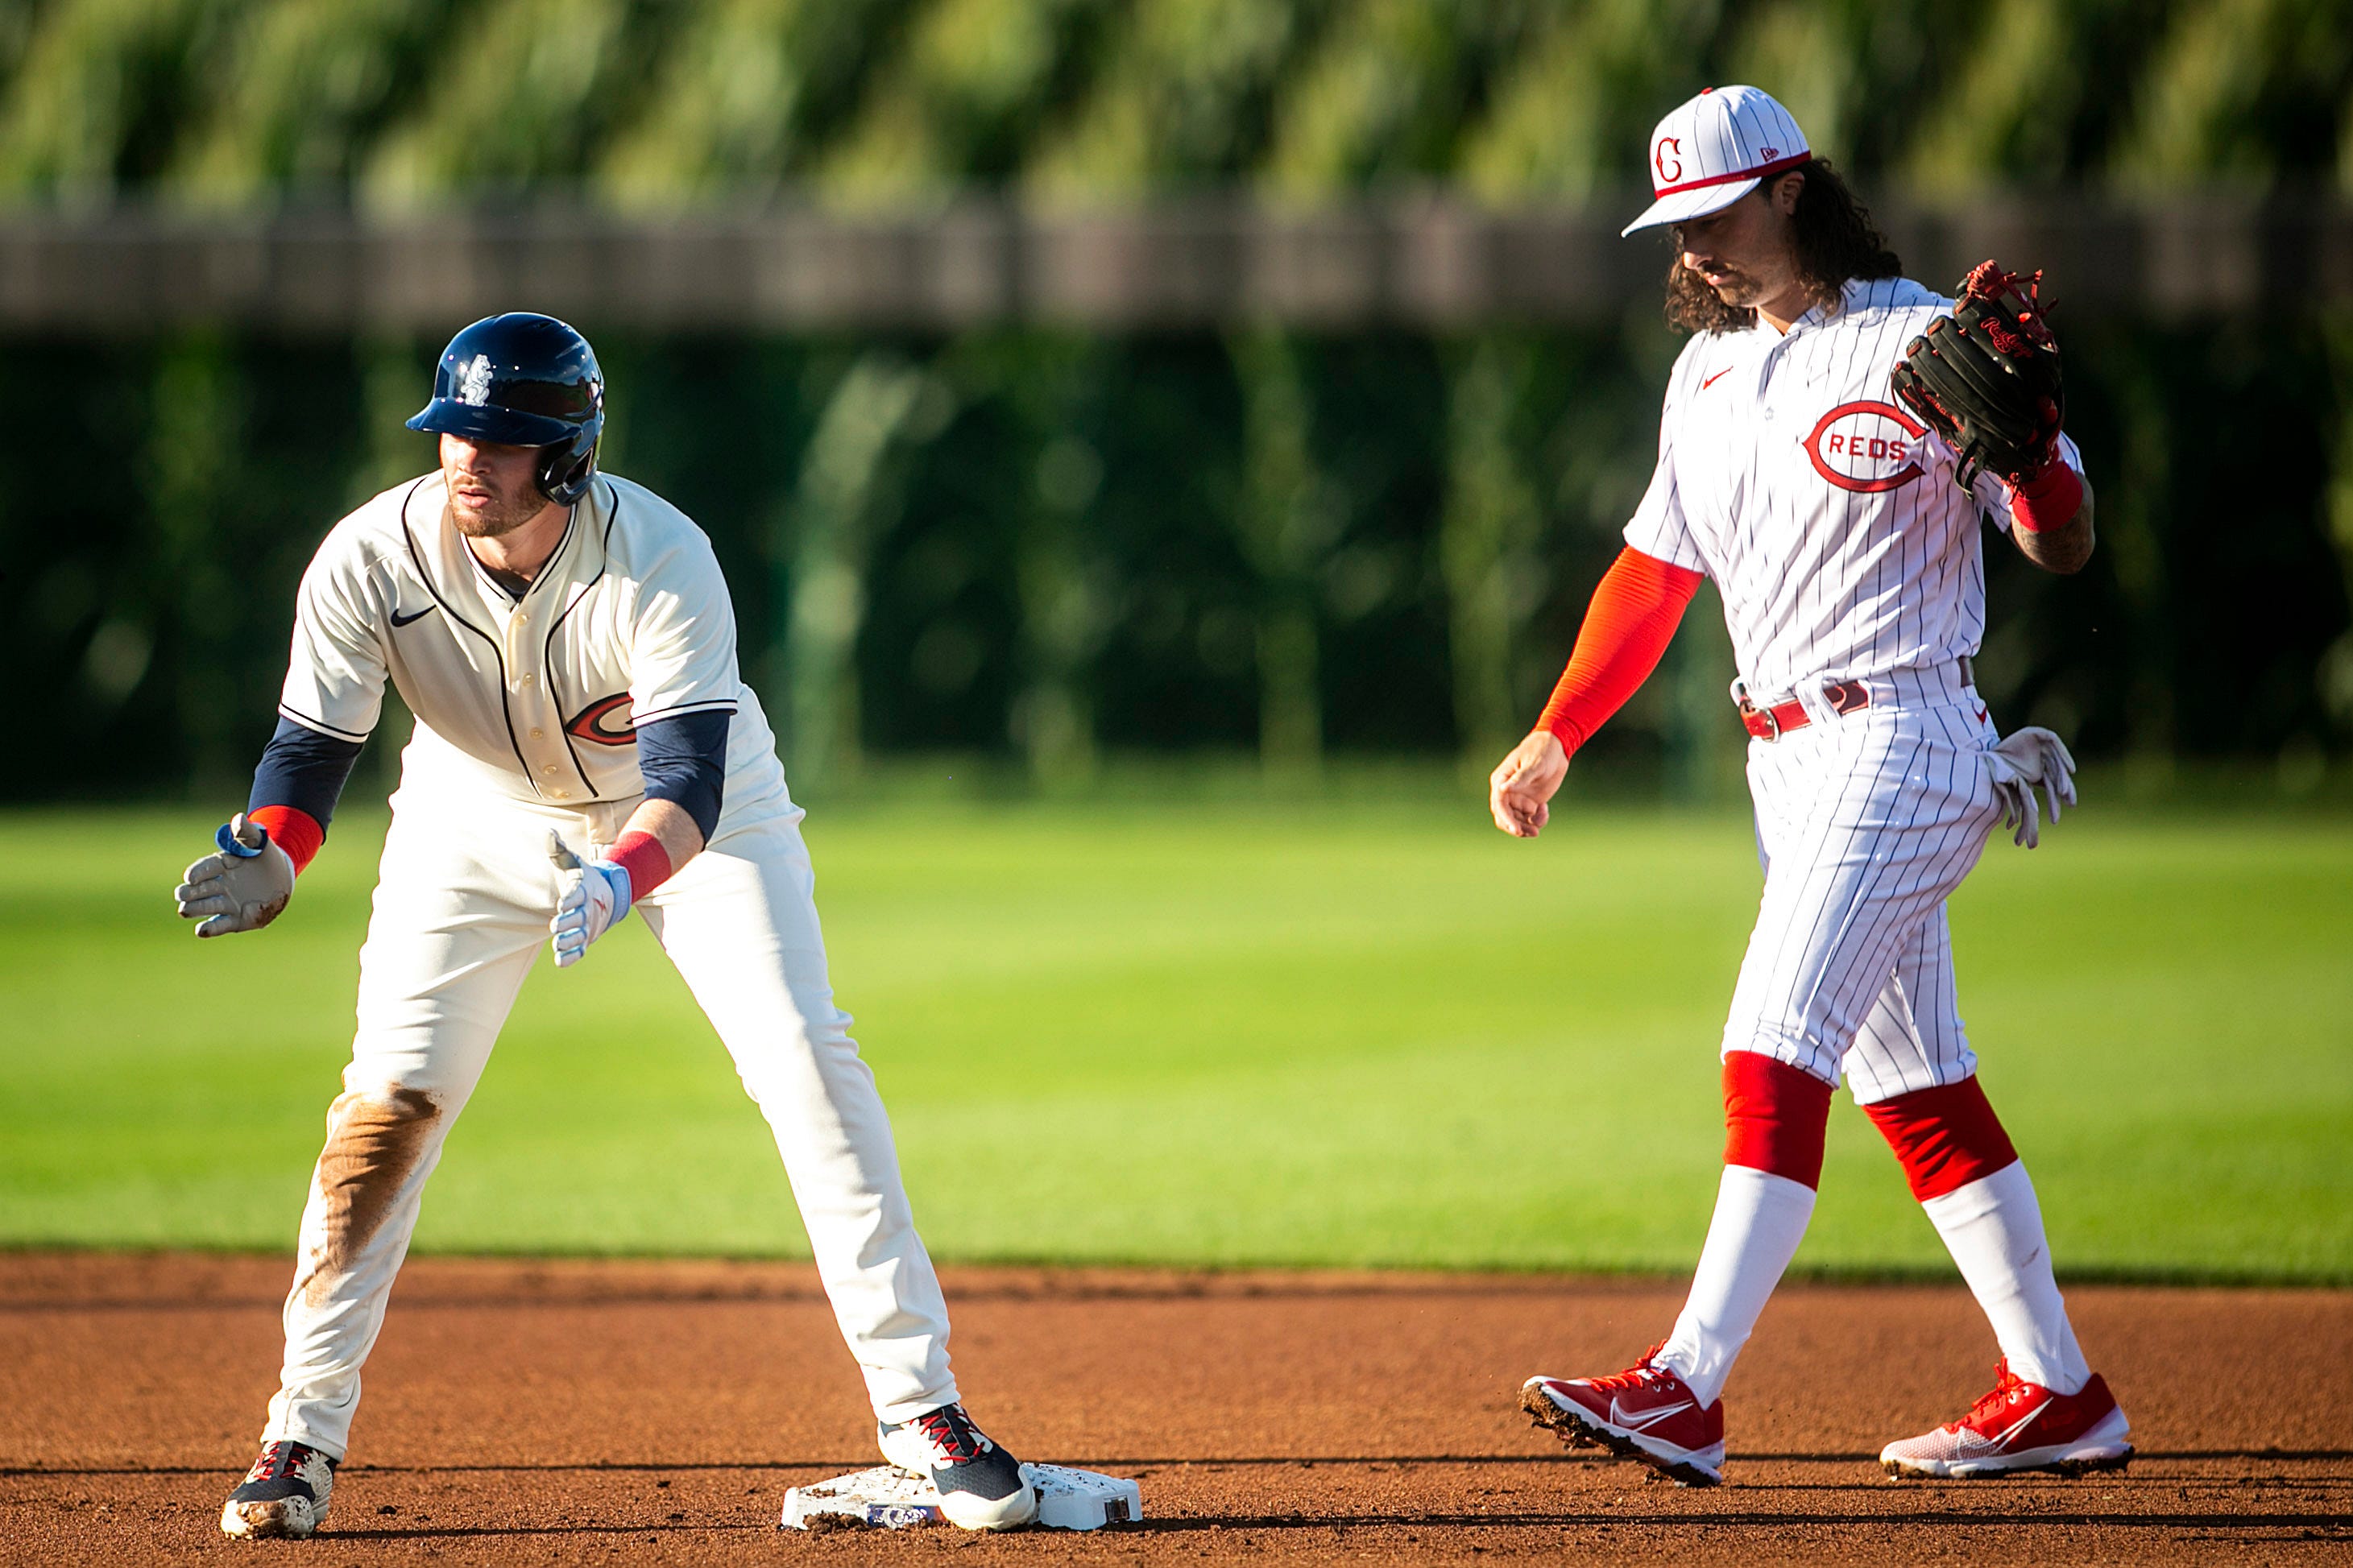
point(594, 1413)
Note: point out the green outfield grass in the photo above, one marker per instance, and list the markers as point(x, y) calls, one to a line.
point(1225, 1033)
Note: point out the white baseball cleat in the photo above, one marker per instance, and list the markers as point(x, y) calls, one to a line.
point(981, 1486)
point(2020, 1426)
point(285, 1494)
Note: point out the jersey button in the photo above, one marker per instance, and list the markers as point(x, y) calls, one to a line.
point(547, 767)
point(539, 734)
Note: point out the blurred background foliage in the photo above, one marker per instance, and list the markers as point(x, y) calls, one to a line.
point(1039, 549)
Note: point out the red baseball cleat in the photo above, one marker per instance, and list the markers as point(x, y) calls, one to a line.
point(1644, 1413)
point(2020, 1426)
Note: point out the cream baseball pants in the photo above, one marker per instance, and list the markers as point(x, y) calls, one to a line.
point(461, 913)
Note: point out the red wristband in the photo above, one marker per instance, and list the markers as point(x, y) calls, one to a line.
point(641, 855)
point(291, 829)
point(2048, 500)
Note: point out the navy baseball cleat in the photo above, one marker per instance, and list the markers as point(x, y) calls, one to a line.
point(285, 1494)
point(981, 1486)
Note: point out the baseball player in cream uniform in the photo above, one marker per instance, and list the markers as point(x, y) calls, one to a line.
point(1849, 564)
point(584, 747)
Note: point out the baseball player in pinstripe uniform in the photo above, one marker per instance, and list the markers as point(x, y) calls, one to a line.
point(583, 748)
point(1849, 558)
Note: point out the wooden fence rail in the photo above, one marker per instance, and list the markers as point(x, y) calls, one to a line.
point(1425, 263)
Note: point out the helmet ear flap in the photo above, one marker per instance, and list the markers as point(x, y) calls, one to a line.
point(566, 471)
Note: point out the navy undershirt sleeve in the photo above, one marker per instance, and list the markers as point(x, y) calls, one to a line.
point(684, 760)
point(303, 769)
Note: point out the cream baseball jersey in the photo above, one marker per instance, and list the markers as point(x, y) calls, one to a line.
point(1826, 514)
point(538, 696)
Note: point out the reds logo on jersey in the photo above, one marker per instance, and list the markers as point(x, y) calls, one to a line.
point(606, 722)
point(1867, 447)
point(1669, 152)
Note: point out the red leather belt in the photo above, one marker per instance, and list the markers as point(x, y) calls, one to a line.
point(1772, 723)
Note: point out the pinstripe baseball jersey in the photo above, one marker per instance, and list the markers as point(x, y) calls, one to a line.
point(536, 697)
point(1828, 517)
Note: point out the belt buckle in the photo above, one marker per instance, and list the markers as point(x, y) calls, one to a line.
point(1747, 709)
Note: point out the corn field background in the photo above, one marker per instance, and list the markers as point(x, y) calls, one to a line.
point(1049, 551)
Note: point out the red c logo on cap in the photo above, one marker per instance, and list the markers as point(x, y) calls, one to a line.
point(1659, 160)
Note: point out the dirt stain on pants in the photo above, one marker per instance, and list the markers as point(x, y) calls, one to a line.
point(375, 1138)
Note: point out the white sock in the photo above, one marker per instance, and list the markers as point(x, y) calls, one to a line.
point(1759, 1220)
point(1993, 1228)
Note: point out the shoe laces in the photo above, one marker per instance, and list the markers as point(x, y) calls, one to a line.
point(953, 1433)
point(2009, 1388)
point(279, 1458)
point(1642, 1374)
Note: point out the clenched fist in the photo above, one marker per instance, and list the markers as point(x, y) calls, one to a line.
point(1523, 783)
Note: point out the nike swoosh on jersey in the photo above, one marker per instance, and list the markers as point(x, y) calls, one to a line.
point(1719, 375)
point(1645, 1420)
point(400, 620)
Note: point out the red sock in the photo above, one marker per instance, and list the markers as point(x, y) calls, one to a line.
point(1944, 1137)
point(1774, 1117)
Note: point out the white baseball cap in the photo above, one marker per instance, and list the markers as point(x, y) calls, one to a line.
point(1708, 154)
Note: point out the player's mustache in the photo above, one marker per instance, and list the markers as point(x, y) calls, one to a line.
point(479, 482)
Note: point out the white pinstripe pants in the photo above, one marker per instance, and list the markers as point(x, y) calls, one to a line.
point(1866, 824)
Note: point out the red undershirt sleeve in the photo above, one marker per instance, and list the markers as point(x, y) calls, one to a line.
point(1633, 616)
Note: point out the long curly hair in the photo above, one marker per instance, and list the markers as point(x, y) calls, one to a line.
point(1836, 240)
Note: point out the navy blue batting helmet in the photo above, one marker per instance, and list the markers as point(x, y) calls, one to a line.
point(527, 381)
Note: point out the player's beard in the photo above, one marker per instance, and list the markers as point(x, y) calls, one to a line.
point(1737, 290)
point(502, 515)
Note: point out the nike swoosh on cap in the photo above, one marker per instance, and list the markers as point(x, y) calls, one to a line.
point(400, 620)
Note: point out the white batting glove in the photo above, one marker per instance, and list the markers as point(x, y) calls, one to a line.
point(242, 886)
point(2020, 760)
point(592, 897)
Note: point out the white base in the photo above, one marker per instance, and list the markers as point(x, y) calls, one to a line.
point(888, 1498)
